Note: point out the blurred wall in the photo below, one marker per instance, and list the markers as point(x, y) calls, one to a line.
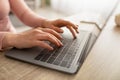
point(77, 6)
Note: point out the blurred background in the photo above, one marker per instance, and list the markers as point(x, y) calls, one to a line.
point(53, 9)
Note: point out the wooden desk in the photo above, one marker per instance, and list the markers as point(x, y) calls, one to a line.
point(103, 62)
point(15, 70)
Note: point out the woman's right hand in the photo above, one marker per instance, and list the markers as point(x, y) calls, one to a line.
point(32, 38)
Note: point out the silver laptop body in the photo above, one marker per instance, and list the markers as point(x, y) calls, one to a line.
point(68, 58)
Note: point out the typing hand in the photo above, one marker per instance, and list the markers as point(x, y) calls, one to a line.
point(57, 24)
point(32, 38)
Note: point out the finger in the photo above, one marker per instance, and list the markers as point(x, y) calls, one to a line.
point(51, 38)
point(52, 32)
point(76, 30)
point(59, 42)
point(74, 26)
point(56, 29)
point(44, 45)
point(72, 31)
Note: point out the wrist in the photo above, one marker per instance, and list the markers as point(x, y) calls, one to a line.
point(44, 22)
point(9, 40)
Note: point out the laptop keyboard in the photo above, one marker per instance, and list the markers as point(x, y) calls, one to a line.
point(62, 56)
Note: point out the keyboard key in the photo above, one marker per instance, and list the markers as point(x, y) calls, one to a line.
point(57, 62)
point(57, 52)
point(62, 54)
point(70, 62)
point(39, 56)
point(44, 59)
point(67, 57)
point(51, 60)
point(64, 63)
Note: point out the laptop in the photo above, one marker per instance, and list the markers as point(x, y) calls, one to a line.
point(68, 58)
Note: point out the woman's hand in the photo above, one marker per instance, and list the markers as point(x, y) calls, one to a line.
point(32, 38)
point(57, 24)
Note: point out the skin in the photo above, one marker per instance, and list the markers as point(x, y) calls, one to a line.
point(43, 29)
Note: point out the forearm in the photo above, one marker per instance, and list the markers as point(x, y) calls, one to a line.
point(31, 19)
point(6, 40)
point(2, 35)
point(25, 14)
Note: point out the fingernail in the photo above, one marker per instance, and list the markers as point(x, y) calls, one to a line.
point(61, 44)
point(75, 37)
point(61, 30)
point(51, 48)
point(61, 37)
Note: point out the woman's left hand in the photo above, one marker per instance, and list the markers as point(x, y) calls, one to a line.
point(57, 24)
